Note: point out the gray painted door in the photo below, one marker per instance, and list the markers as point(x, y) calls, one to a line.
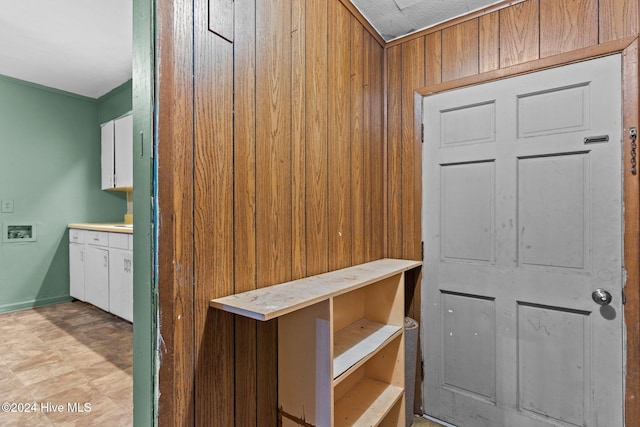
point(522, 221)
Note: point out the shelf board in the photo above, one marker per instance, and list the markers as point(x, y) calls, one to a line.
point(366, 404)
point(356, 343)
point(274, 301)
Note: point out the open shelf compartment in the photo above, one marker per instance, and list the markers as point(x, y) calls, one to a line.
point(369, 394)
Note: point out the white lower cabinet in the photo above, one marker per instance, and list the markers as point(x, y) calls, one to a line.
point(96, 283)
point(101, 270)
point(76, 271)
point(121, 283)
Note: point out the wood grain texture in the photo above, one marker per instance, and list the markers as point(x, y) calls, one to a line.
point(213, 218)
point(274, 181)
point(367, 147)
point(221, 18)
point(244, 146)
point(394, 152)
point(339, 155)
point(175, 201)
point(413, 76)
point(618, 19)
point(460, 50)
point(567, 25)
point(489, 35)
point(273, 135)
point(519, 33)
point(298, 142)
point(378, 175)
point(357, 143)
point(316, 92)
point(631, 113)
point(433, 58)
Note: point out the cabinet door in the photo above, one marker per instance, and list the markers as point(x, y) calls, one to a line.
point(76, 271)
point(124, 152)
point(96, 285)
point(121, 283)
point(107, 141)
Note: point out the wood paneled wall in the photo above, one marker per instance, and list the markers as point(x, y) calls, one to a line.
point(508, 34)
point(278, 144)
point(498, 37)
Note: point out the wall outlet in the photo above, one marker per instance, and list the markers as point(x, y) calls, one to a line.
point(7, 206)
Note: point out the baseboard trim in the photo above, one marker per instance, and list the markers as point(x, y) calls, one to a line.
point(25, 305)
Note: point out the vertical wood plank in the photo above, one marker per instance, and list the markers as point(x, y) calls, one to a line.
point(618, 19)
point(367, 152)
point(433, 58)
point(221, 18)
point(460, 50)
point(316, 137)
point(489, 42)
point(519, 33)
point(357, 142)
point(567, 25)
point(631, 113)
point(340, 231)
point(245, 207)
point(273, 135)
point(213, 211)
point(413, 75)
point(378, 162)
point(298, 145)
point(273, 181)
point(394, 151)
point(245, 146)
point(175, 210)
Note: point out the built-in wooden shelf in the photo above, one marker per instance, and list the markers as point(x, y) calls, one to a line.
point(340, 343)
point(357, 342)
point(274, 301)
point(367, 403)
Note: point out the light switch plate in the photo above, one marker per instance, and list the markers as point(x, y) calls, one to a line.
point(7, 206)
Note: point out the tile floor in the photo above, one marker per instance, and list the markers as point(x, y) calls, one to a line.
point(68, 354)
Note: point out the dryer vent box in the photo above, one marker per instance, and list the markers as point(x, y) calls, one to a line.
point(14, 233)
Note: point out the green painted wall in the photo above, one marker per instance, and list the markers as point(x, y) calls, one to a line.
point(115, 103)
point(50, 168)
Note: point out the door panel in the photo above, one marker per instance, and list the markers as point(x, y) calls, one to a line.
point(522, 221)
point(469, 352)
point(467, 212)
point(553, 214)
point(554, 384)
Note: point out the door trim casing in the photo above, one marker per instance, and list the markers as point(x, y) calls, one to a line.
point(628, 48)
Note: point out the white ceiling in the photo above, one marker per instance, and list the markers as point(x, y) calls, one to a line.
point(397, 18)
point(80, 46)
point(85, 46)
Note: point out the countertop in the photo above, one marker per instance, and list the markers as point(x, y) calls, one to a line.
point(109, 227)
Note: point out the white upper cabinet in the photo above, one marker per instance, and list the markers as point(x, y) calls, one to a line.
point(107, 158)
point(117, 153)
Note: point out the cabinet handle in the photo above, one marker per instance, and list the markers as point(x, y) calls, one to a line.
point(141, 143)
point(106, 262)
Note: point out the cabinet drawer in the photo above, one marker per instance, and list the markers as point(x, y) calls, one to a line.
point(97, 238)
point(119, 240)
point(76, 236)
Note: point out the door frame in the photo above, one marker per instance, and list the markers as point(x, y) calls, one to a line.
point(628, 48)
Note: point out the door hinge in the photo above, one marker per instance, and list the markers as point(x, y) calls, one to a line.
point(624, 297)
point(422, 133)
point(422, 250)
point(422, 369)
